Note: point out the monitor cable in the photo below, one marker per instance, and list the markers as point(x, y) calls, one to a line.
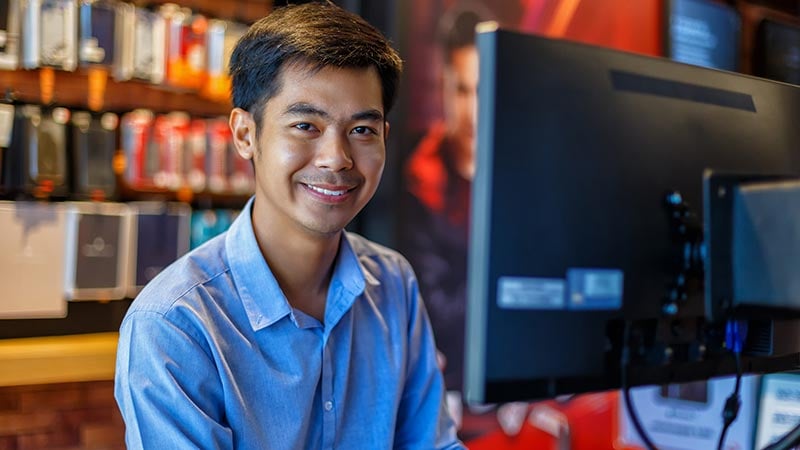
point(735, 334)
point(626, 390)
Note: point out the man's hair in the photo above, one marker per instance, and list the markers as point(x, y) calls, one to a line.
point(315, 35)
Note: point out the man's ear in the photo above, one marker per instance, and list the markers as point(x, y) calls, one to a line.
point(385, 131)
point(243, 128)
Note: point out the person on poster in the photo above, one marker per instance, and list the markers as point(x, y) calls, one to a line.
point(438, 176)
point(286, 331)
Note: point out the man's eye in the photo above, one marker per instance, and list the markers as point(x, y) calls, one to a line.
point(363, 130)
point(304, 126)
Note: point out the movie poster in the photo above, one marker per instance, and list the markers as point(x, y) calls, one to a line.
point(441, 79)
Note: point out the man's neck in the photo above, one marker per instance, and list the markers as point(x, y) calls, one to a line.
point(301, 263)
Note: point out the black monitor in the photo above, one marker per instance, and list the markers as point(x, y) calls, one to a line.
point(587, 250)
point(777, 51)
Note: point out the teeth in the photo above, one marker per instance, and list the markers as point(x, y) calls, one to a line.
point(325, 191)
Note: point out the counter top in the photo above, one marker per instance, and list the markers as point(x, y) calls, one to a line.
point(58, 359)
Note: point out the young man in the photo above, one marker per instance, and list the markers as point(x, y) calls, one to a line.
point(286, 332)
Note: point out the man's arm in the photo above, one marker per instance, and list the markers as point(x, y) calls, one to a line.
point(422, 419)
point(167, 387)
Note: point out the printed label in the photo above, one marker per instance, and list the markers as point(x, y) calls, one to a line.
point(595, 288)
point(530, 293)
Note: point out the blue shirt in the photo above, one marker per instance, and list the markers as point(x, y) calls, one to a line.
point(211, 355)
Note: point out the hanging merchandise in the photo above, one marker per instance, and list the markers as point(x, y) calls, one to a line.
point(141, 155)
point(124, 35)
point(97, 250)
point(195, 154)
point(94, 142)
point(49, 34)
point(170, 133)
point(159, 236)
point(9, 34)
point(97, 31)
point(208, 223)
point(186, 47)
point(148, 46)
point(36, 160)
point(222, 36)
point(32, 257)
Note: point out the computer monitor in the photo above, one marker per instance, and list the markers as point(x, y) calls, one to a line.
point(778, 407)
point(587, 217)
point(777, 51)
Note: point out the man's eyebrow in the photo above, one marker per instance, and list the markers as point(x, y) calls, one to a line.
point(305, 109)
point(372, 115)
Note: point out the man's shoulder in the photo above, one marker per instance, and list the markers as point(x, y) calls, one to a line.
point(377, 258)
point(183, 277)
point(364, 247)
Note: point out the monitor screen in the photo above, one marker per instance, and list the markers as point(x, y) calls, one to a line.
point(704, 33)
point(574, 249)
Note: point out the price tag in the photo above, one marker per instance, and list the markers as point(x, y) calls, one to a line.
point(98, 77)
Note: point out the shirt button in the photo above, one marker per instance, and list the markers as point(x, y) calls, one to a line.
point(328, 406)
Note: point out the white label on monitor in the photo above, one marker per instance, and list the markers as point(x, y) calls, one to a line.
point(530, 293)
point(595, 288)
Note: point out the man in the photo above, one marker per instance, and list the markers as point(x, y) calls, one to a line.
point(286, 332)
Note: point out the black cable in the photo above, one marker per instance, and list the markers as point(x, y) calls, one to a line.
point(731, 410)
point(789, 440)
point(626, 391)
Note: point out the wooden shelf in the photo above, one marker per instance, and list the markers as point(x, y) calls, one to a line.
point(71, 90)
point(201, 200)
point(245, 11)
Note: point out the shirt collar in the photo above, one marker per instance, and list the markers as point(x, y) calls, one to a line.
point(262, 297)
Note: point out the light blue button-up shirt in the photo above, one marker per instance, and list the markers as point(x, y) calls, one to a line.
point(212, 356)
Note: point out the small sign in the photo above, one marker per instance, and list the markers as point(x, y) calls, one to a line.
point(594, 289)
point(530, 293)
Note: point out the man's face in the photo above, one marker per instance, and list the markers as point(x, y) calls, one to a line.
point(461, 98)
point(321, 150)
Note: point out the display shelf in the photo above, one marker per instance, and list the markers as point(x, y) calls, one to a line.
point(201, 200)
point(71, 89)
point(246, 11)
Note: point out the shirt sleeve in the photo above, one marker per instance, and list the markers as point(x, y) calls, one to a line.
point(423, 420)
point(167, 387)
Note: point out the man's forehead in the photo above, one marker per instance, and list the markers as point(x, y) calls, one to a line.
point(328, 91)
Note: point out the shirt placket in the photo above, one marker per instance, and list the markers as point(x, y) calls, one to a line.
point(329, 405)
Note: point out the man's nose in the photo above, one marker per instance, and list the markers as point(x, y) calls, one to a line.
point(334, 153)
